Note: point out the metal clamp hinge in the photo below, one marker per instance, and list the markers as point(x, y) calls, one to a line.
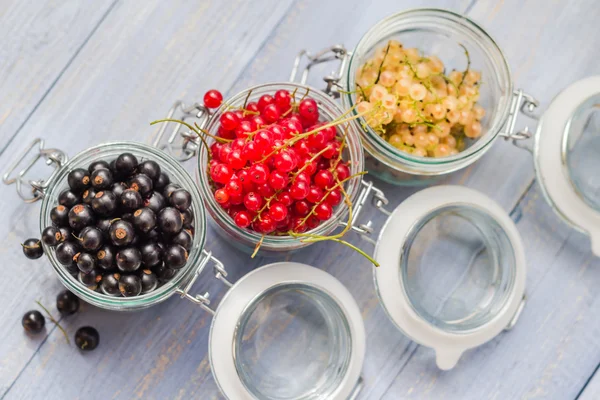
point(378, 199)
point(54, 157)
point(190, 141)
point(526, 104)
point(333, 53)
point(203, 300)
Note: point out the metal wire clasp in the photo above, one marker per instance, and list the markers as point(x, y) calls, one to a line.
point(37, 187)
point(526, 104)
point(337, 52)
point(219, 272)
point(378, 199)
point(190, 141)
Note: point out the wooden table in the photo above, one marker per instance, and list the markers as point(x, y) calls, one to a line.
point(80, 75)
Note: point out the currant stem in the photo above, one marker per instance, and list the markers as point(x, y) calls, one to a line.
point(55, 322)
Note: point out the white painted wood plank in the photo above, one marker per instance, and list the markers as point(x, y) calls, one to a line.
point(39, 39)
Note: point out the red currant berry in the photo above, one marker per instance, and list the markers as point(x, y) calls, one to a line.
point(211, 164)
point(332, 149)
point(334, 197)
point(317, 140)
point(323, 163)
point(277, 132)
point(283, 100)
point(278, 212)
point(284, 198)
point(236, 199)
point(323, 179)
point(239, 114)
point(308, 109)
point(299, 190)
point(234, 187)
point(252, 107)
point(323, 211)
point(301, 208)
point(236, 159)
point(302, 148)
point(264, 101)
point(244, 178)
point(214, 149)
point(242, 219)
point(225, 134)
point(315, 194)
point(342, 171)
point(259, 173)
point(329, 133)
point(265, 224)
point(229, 120)
point(213, 98)
point(253, 201)
point(271, 113)
point(303, 177)
point(312, 222)
point(221, 173)
point(221, 196)
point(310, 167)
point(265, 190)
point(263, 141)
point(251, 152)
point(278, 180)
point(285, 224)
point(298, 225)
point(285, 161)
point(238, 144)
point(293, 127)
point(258, 121)
point(224, 153)
point(243, 129)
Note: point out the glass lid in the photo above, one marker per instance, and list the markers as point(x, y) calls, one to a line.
point(567, 156)
point(452, 273)
point(287, 331)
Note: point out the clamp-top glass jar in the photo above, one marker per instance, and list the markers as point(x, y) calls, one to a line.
point(324, 344)
point(441, 33)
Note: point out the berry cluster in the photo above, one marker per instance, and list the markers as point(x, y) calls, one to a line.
point(121, 228)
point(424, 112)
point(274, 166)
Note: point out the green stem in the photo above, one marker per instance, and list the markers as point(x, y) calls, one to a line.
point(55, 322)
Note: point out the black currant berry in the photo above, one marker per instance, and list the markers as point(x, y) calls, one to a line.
point(162, 181)
point(105, 258)
point(102, 179)
point(118, 188)
point(65, 252)
point(91, 238)
point(129, 259)
point(81, 216)
point(169, 220)
point(144, 219)
point(100, 164)
point(151, 254)
point(32, 248)
point(110, 284)
point(155, 201)
point(121, 233)
point(85, 262)
point(131, 199)
point(92, 278)
point(66, 233)
point(103, 225)
point(33, 321)
point(67, 303)
point(68, 199)
point(175, 256)
point(87, 338)
point(170, 188)
point(149, 280)
point(51, 236)
point(184, 239)
point(149, 168)
point(60, 215)
point(88, 196)
point(163, 273)
point(78, 179)
point(130, 285)
point(152, 236)
point(188, 218)
point(181, 199)
point(126, 164)
point(141, 183)
point(104, 203)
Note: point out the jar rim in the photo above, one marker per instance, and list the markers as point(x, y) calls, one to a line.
point(451, 162)
point(352, 188)
point(168, 288)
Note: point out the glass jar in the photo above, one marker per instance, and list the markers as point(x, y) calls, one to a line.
point(245, 239)
point(441, 33)
point(318, 354)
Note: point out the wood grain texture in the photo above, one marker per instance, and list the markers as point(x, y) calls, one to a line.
point(39, 41)
point(144, 56)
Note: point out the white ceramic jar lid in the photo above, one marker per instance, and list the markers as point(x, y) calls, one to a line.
point(247, 291)
point(392, 288)
point(550, 158)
